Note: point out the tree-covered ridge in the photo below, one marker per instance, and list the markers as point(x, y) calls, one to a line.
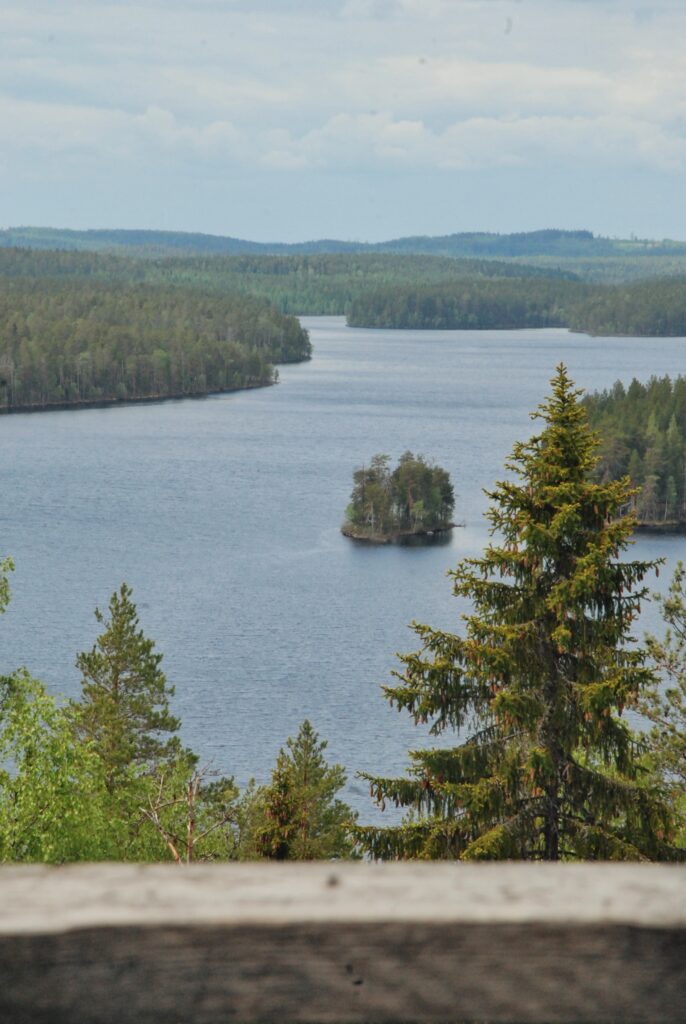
point(643, 309)
point(483, 244)
point(592, 257)
point(468, 305)
point(643, 431)
point(386, 289)
point(67, 339)
point(414, 498)
point(299, 284)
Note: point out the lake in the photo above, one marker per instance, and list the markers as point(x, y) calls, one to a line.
point(223, 514)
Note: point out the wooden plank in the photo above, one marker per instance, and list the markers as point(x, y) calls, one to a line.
point(349, 942)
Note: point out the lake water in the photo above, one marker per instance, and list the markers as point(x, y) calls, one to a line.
point(223, 514)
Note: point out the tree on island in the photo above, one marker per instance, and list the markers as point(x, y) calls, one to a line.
point(416, 497)
point(542, 675)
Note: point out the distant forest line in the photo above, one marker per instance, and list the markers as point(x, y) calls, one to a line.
point(653, 308)
point(591, 256)
point(84, 327)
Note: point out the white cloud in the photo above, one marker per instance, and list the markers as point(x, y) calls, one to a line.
point(325, 85)
point(480, 142)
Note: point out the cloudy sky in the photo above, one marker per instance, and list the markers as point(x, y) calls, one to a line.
point(361, 119)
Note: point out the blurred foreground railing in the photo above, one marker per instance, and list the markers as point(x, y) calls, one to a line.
point(350, 942)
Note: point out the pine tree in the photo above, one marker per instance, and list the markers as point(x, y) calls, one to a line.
point(542, 675)
point(301, 818)
point(124, 707)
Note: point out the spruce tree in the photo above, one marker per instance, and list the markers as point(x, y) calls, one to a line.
point(541, 676)
point(300, 817)
point(124, 707)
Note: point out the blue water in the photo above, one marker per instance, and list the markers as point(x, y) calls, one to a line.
point(223, 514)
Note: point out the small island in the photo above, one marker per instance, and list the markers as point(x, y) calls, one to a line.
point(416, 499)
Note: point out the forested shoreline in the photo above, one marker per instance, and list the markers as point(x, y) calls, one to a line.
point(88, 328)
point(68, 341)
point(655, 308)
point(643, 437)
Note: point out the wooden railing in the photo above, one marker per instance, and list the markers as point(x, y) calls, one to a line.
point(342, 942)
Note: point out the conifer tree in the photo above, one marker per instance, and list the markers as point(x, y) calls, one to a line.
point(540, 677)
point(124, 707)
point(300, 817)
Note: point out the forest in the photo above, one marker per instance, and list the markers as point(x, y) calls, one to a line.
point(373, 289)
point(68, 339)
point(416, 497)
point(648, 308)
point(591, 256)
point(643, 431)
point(544, 764)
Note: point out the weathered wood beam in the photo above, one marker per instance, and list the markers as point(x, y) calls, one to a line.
point(351, 942)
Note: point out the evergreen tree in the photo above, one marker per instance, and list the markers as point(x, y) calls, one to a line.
point(124, 707)
point(300, 817)
point(541, 676)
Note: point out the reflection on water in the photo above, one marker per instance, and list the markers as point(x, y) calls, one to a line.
point(224, 516)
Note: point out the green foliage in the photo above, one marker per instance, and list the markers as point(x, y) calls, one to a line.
point(643, 430)
point(195, 819)
point(664, 704)
point(6, 567)
point(416, 496)
point(124, 708)
point(100, 337)
point(104, 779)
point(470, 304)
point(298, 816)
point(594, 257)
point(646, 308)
point(541, 677)
point(54, 804)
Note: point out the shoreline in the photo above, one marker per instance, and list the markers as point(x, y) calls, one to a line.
point(670, 527)
point(398, 536)
point(106, 403)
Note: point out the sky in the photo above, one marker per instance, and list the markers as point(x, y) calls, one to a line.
point(355, 119)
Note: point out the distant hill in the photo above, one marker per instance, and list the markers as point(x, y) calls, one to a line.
point(549, 242)
point(592, 257)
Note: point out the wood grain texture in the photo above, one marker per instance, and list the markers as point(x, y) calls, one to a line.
point(355, 942)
